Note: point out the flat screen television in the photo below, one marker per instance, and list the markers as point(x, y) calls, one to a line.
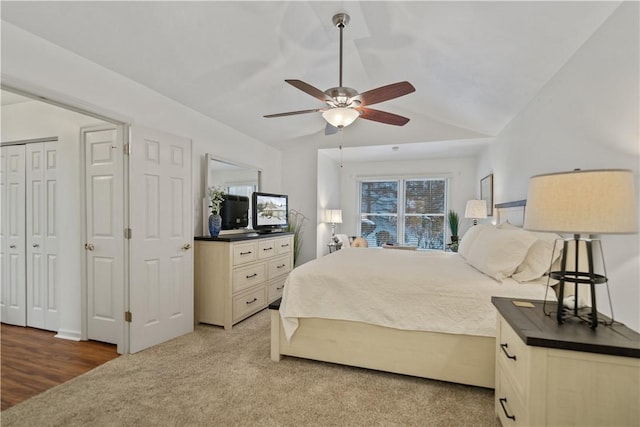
point(234, 212)
point(270, 212)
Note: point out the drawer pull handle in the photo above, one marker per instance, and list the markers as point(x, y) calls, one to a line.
point(503, 400)
point(504, 350)
point(252, 301)
point(280, 266)
point(252, 275)
point(281, 287)
point(284, 246)
point(245, 253)
point(267, 249)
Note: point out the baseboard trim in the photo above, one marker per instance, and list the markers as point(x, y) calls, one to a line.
point(68, 335)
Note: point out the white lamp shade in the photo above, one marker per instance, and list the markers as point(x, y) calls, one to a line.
point(583, 202)
point(476, 209)
point(334, 216)
point(340, 117)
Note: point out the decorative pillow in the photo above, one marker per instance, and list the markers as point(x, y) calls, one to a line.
point(344, 239)
point(466, 241)
point(359, 242)
point(498, 252)
point(539, 257)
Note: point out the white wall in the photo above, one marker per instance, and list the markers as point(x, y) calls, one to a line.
point(300, 182)
point(587, 117)
point(34, 65)
point(328, 196)
point(460, 171)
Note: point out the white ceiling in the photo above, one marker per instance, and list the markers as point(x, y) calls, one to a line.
point(475, 65)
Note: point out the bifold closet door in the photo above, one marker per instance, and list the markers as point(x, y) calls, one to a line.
point(13, 290)
point(41, 237)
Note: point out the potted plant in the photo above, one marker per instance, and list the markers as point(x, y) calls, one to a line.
point(454, 221)
point(296, 220)
point(216, 197)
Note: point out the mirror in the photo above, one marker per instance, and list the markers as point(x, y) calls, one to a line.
point(236, 178)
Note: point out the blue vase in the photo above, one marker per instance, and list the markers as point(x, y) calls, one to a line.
point(215, 224)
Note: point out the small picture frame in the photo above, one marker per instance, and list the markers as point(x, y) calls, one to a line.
point(486, 192)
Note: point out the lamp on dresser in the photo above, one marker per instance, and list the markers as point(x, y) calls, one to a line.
point(582, 203)
point(476, 209)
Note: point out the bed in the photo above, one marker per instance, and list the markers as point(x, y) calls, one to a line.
point(420, 313)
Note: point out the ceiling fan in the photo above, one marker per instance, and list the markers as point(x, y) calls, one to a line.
point(345, 104)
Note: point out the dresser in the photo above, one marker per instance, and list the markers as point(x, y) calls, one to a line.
point(237, 275)
point(563, 375)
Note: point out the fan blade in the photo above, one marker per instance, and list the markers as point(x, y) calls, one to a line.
point(329, 129)
point(384, 93)
point(308, 89)
point(293, 113)
point(382, 117)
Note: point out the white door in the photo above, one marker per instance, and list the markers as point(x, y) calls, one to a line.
point(42, 245)
point(104, 247)
point(13, 295)
point(161, 254)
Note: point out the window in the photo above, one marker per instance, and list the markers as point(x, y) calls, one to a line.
point(404, 211)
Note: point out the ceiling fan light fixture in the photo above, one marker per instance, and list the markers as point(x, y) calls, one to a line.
point(340, 117)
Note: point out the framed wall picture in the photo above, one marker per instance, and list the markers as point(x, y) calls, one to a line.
point(486, 192)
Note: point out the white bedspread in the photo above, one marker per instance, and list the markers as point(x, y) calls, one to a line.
point(412, 290)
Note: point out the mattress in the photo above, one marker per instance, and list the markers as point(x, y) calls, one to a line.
point(411, 290)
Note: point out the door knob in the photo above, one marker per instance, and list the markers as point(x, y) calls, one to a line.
point(186, 246)
point(35, 245)
point(89, 246)
point(12, 246)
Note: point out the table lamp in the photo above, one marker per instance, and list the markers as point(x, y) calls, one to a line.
point(476, 209)
point(334, 216)
point(582, 202)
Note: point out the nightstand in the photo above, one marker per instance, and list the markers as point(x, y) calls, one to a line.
point(334, 247)
point(569, 374)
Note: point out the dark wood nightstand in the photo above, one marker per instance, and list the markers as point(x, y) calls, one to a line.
point(569, 374)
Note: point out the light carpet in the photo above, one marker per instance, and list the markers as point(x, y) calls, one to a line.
point(213, 377)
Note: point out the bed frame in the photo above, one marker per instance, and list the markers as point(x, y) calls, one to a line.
point(464, 359)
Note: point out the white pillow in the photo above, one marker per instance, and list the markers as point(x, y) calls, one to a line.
point(508, 226)
point(466, 241)
point(499, 252)
point(539, 257)
point(344, 239)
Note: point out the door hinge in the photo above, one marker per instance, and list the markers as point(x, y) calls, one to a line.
point(127, 149)
point(127, 316)
point(127, 233)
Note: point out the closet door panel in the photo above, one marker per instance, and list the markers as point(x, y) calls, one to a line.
point(41, 236)
point(13, 296)
point(50, 285)
point(36, 303)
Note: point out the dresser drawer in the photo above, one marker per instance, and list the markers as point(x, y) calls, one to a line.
point(266, 248)
point(246, 277)
point(275, 288)
point(509, 405)
point(279, 266)
point(284, 245)
point(512, 357)
point(248, 303)
point(244, 253)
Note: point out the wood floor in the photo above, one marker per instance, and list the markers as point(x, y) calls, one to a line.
point(34, 360)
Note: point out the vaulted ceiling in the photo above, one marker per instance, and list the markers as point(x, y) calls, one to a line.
point(475, 65)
